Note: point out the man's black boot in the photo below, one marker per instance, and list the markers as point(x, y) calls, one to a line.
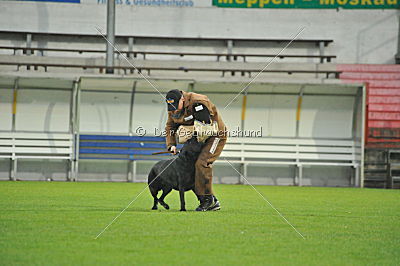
point(206, 202)
point(216, 206)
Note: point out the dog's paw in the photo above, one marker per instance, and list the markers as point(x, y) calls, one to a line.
point(165, 205)
point(154, 208)
point(183, 210)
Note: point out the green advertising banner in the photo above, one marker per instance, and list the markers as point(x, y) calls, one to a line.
point(348, 4)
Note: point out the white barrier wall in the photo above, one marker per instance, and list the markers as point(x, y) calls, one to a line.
point(43, 110)
point(149, 113)
point(276, 114)
point(326, 117)
point(360, 36)
point(104, 112)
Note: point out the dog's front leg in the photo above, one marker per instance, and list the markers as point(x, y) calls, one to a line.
point(182, 196)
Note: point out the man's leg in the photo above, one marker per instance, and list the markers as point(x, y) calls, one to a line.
point(204, 174)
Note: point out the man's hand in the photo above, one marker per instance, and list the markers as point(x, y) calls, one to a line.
point(173, 149)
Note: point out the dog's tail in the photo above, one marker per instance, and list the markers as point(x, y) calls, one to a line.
point(152, 186)
point(152, 175)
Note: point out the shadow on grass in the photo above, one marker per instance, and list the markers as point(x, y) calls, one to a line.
point(94, 209)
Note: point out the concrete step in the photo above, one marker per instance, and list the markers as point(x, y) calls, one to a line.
point(139, 63)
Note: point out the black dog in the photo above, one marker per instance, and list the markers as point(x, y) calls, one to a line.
point(175, 174)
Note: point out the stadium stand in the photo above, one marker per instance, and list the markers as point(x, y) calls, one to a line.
point(228, 48)
point(188, 66)
point(59, 52)
point(134, 54)
point(56, 53)
point(382, 119)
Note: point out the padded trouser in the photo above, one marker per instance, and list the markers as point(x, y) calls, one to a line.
point(204, 173)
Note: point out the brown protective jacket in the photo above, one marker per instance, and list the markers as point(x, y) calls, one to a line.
point(190, 99)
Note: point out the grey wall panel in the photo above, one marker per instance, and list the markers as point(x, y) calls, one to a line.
point(103, 170)
point(43, 170)
point(330, 176)
point(5, 168)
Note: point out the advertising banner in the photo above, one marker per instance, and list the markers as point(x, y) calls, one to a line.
point(348, 4)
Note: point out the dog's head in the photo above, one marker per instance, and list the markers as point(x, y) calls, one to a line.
point(192, 148)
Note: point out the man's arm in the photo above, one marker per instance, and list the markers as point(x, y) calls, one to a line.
point(170, 130)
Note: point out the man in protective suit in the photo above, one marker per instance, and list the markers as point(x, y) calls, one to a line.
point(198, 112)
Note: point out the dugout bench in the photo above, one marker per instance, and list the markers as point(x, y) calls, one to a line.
point(117, 147)
point(243, 151)
point(24, 145)
point(293, 152)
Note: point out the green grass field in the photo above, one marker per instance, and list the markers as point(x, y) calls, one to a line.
point(55, 223)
